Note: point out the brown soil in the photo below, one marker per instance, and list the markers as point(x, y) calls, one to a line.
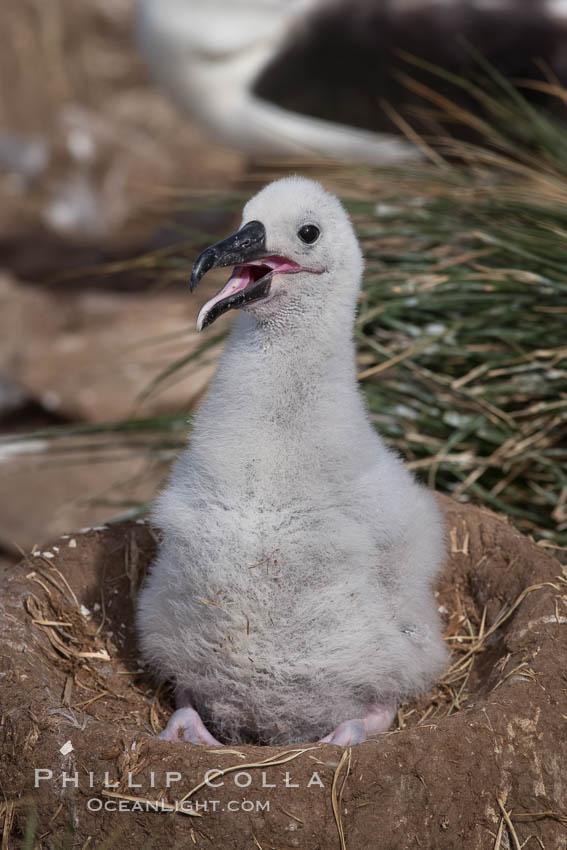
point(478, 763)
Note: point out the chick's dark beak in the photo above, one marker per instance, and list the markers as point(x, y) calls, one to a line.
point(249, 243)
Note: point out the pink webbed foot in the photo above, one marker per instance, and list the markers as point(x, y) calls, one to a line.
point(348, 732)
point(358, 730)
point(186, 725)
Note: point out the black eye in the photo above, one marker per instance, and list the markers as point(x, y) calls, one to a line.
point(308, 233)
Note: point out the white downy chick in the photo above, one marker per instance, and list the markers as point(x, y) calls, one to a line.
point(291, 598)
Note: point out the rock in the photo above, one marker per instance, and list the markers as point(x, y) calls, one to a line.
point(88, 356)
point(81, 491)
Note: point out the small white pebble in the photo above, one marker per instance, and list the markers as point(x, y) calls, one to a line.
point(85, 611)
point(96, 606)
point(56, 548)
point(48, 554)
point(443, 610)
point(66, 748)
point(72, 544)
point(36, 554)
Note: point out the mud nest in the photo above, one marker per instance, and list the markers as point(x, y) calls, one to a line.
point(481, 761)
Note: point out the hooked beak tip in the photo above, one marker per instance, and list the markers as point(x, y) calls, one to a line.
point(204, 263)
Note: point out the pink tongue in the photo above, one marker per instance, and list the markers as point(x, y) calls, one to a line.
point(236, 283)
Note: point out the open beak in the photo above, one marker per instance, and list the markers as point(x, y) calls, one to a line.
point(250, 280)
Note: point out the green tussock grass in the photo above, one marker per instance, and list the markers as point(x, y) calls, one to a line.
point(462, 331)
point(463, 347)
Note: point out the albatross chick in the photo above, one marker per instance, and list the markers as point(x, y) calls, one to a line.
point(291, 598)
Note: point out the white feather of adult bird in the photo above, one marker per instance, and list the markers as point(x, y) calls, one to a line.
point(310, 78)
point(291, 599)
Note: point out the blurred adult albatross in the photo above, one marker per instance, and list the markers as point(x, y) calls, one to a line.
point(246, 69)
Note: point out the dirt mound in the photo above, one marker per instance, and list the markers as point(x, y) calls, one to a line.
point(480, 762)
